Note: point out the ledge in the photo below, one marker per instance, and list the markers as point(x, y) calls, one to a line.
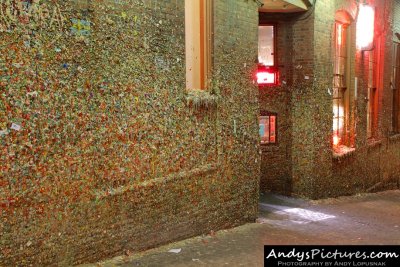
point(394, 137)
point(200, 98)
point(373, 143)
point(101, 194)
point(343, 152)
point(269, 147)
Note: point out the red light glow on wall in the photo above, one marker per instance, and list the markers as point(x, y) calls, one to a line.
point(265, 77)
point(365, 27)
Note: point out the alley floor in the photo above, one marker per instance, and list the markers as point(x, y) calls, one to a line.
point(361, 219)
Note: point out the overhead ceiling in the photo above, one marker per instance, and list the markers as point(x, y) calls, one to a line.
point(285, 6)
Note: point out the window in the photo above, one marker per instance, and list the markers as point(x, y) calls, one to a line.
point(396, 88)
point(365, 27)
point(371, 111)
point(340, 92)
point(267, 73)
point(266, 45)
point(198, 39)
point(268, 122)
point(372, 100)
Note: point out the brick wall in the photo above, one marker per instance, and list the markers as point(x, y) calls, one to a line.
point(374, 165)
point(100, 151)
point(275, 158)
point(315, 171)
point(294, 61)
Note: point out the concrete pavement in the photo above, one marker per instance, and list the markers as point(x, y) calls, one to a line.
point(361, 219)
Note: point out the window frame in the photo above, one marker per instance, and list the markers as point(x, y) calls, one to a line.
point(373, 92)
point(395, 83)
point(371, 112)
point(275, 58)
point(199, 42)
point(269, 114)
point(341, 82)
point(273, 69)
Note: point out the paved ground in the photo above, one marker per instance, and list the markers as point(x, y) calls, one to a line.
point(362, 219)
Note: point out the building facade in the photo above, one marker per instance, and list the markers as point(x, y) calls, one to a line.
point(108, 144)
point(336, 101)
point(127, 124)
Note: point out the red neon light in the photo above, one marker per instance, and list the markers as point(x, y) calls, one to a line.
point(264, 77)
point(365, 27)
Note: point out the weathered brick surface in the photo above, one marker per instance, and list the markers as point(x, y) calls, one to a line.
point(275, 159)
point(313, 170)
point(110, 157)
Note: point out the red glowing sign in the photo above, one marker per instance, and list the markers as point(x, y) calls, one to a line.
point(365, 27)
point(264, 77)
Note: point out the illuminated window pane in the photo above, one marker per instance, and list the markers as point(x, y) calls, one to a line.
point(272, 126)
point(268, 129)
point(338, 113)
point(340, 67)
point(266, 46)
point(339, 83)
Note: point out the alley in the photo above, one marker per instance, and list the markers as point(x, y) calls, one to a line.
point(361, 219)
point(126, 125)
